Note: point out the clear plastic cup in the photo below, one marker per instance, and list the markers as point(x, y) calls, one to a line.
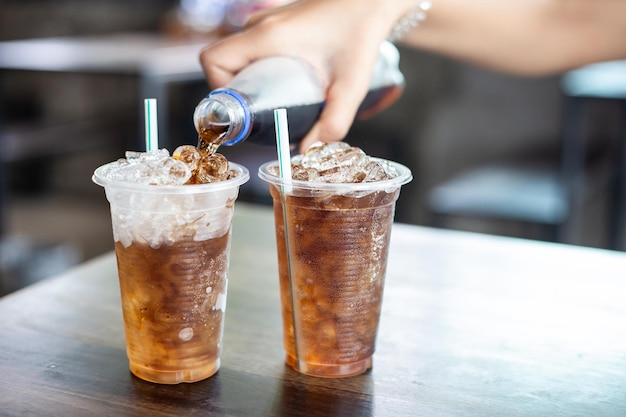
point(172, 245)
point(332, 259)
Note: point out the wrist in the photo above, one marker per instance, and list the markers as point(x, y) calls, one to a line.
point(389, 12)
point(411, 19)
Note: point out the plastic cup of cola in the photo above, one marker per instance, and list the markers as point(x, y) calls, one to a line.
point(332, 241)
point(172, 245)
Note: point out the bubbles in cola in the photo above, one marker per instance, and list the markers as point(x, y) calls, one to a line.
point(338, 162)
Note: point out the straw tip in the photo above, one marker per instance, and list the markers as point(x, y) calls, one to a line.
point(282, 142)
point(152, 139)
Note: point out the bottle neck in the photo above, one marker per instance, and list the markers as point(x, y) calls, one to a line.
point(224, 110)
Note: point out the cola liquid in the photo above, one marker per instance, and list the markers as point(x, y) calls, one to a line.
point(301, 119)
point(332, 283)
point(172, 247)
point(170, 301)
point(210, 136)
point(332, 238)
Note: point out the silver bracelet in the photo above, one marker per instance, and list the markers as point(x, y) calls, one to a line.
point(412, 20)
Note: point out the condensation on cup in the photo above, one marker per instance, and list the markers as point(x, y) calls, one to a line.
point(172, 242)
point(333, 225)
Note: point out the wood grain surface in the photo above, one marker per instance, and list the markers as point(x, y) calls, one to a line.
point(472, 325)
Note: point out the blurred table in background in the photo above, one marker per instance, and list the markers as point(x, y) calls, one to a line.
point(158, 61)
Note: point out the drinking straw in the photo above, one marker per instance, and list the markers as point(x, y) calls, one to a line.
point(282, 145)
point(284, 169)
point(152, 133)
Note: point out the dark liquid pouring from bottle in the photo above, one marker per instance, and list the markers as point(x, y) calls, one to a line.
point(210, 139)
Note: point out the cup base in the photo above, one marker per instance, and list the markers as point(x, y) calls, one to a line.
point(175, 377)
point(329, 371)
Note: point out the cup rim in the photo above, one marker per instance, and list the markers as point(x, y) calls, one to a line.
point(243, 177)
point(404, 177)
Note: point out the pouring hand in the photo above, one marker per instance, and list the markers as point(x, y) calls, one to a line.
point(340, 38)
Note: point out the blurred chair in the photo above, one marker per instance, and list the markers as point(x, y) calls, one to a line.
point(542, 196)
point(604, 81)
point(539, 196)
point(511, 193)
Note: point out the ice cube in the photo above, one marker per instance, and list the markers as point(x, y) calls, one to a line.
point(141, 157)
point(301, 173)
point(173, 172)
point(374, 171)
point(334, 147)
point(212, 168)
point(152, 168)
point(188, 154)
point(339, 162)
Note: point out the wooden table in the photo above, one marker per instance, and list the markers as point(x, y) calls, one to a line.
point(472, 325)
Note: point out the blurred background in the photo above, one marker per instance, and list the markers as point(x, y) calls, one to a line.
point(534, 158)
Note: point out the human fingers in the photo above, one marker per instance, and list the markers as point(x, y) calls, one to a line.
point(221, 60)
point(268, 32)
point(335, 120)
point(352, 74)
